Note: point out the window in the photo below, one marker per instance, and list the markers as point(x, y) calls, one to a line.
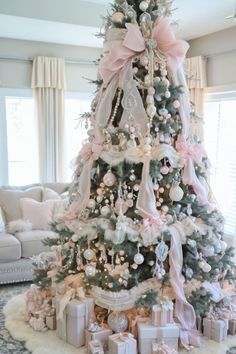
point(75, 132)
point(19, 133)
point(220, 142)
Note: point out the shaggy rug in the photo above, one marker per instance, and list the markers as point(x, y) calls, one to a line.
point(48, 343)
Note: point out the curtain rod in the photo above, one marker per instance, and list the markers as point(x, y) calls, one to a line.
point(67, 60)
point(219, 53)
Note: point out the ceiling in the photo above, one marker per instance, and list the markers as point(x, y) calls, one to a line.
point(76, 21)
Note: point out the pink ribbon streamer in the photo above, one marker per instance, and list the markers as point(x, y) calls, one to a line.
point(192, 153)
point(146, 201)
point(89, 153)
point(184, 312)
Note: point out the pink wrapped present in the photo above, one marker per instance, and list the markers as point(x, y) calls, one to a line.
point(215, 329)
point(162, 313)
point(162, 348)
point(73, 320)
point(147, 334)
point(102, 335)
point(122, 343)
point(95, 347)
point(232, 326)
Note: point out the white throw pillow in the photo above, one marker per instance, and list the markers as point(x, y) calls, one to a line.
point(49, 194)
point(38, 213)
point(19, 226)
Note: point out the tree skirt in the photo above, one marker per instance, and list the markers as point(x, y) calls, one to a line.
point(48, 343)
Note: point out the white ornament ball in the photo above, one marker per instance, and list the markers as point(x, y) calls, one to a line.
point(118, 17)
point(144, 60)
point(109, 179)
point(206, 268)
point(91, 203)
point(139, 258)
point(90, 271)
point(99, 198)
point(89, 254)
point(176, 193)
point(143, 6)
point(75, 238)
point(223, 246)
point(105, 210)
point(151, 91)
point(150, 99)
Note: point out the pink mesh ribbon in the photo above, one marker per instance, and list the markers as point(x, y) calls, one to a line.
point(192, 153)
point(184, 312)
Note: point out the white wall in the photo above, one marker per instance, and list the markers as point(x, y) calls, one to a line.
point(17, 74)
point(221, 68)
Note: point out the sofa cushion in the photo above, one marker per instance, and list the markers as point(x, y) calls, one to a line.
point(57, 187)
point(40, 214)
point(49, 194)
point(10, 201)
point(2, 221)
point(31, 242)
point(10, 248)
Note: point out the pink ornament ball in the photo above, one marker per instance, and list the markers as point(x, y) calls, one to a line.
point(118, 17)
point(164, 170)
point(109, 179)
point(176, 104)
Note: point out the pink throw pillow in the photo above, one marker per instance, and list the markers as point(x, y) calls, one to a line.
point(38, 213)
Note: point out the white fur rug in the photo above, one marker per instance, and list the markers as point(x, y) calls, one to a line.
point(48, 343)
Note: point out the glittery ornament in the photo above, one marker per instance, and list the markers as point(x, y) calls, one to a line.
point(99, 198)
point(176, 192)
point(132, 177)
point(176, 104)
point(163, 112)
point(88, 254)
point(90, 271)
point(143, 6)
point(144, 60)
point(120, 206)
point(117, 322)
point(138, 258)
point(91, 203)
point(109, 179)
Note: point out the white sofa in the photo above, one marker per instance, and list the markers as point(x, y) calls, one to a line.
point(16, 249)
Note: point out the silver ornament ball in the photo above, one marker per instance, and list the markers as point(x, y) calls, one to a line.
point(117, 322)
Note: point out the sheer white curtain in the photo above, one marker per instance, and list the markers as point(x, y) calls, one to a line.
point(48, 82)
point(195, 69)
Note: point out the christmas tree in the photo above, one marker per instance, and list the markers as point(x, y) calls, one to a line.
point(142, 221)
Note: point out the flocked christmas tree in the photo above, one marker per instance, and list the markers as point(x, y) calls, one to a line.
point(141, 218)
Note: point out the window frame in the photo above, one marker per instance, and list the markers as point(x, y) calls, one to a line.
point(218, 94)
point(4, 93)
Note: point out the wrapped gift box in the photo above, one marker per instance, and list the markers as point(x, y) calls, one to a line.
point(76, 316)
point(122, 343)
point(147, 334)
point(232, 326)
point(215, 329)
point(95, 347)
point(101, 336)
point(162, 313)
point(51, 322)
point(162, 348)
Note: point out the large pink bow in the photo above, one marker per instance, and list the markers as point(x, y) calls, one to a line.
point(192, 153)
point(89, 153)
point(134, 43)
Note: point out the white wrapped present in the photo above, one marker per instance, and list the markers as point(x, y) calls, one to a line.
point(215, 329)
point(122, 343)
point(162, 313)
point(95, 347)
point(147, 334)
point(73, 320)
